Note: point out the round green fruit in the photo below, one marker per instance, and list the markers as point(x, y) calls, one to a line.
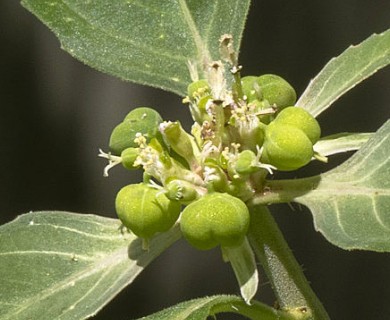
point(145, 210)
point(276, 90)
point(301, 119)
point(140, 120)
point(286, 147)
point(215, 219)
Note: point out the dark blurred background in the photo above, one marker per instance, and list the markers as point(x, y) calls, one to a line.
point(57, 113)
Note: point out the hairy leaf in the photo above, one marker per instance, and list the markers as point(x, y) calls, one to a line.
point(148, 42)
point(200, 309)
point(61, 265)
point(344, 72)
point(351, 203)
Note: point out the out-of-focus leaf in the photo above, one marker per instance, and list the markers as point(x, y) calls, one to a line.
point(61, 265)
point(200, 309)
point(148, 42)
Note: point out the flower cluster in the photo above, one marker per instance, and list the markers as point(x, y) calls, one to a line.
point(241, 133)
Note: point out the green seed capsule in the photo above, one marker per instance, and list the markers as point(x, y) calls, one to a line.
point(145, 210)
point(140, 120)
point(301, 119)
point(286, 147)
point(277, 90)
point(215, 219)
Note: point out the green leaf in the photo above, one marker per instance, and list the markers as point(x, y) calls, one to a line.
point(243, 262)
point(200, 309)
point(148, 42)
point(351, 203)
point(341, 142)
point(344, 72)
point(61, 265)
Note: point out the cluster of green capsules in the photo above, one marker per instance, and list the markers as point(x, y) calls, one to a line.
point(239, 136)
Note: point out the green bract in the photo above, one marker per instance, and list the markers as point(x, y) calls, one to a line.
point(141, 120)
point(277, 91)
point(215, 219)
point(145, 210)
point(286, 147)
point(301, 119)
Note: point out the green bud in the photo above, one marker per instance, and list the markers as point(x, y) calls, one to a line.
point(301, 119)
point(145, 210)
point(286, 147)
point(140, 120)
point(198, 89)
point(163, 155)
point(180, 190)
point(215, 219)
point(215, 177)
point(179, 140)
point(129, 156)
point(246, 162)
point(248, 130)
point(198, 109)
point(251, 88)
point(242, 189)
point(277, 90)
point(263, 110)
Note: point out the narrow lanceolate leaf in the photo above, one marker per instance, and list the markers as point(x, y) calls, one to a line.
point(200, 309)
point(61, 265)
point(243, 262)
point(351, 203)
point(345, 71)
point(341, 142)
point(148, 42)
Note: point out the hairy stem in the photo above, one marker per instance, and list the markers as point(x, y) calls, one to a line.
point(281, 191)
point(292, 290)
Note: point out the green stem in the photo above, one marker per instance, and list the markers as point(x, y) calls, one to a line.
point(281, 191)
point(288, 281)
